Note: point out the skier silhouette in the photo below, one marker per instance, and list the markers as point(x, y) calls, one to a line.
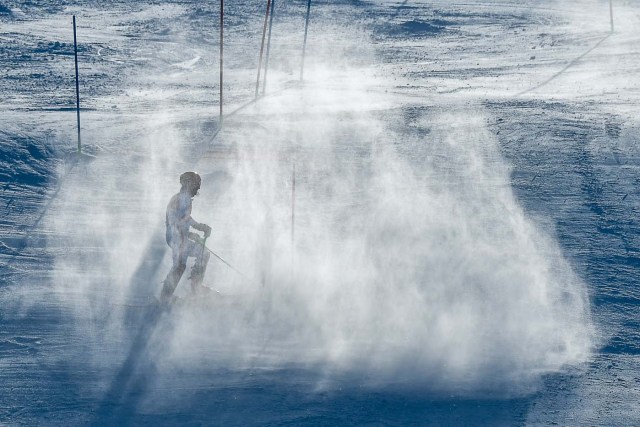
point(183, 243)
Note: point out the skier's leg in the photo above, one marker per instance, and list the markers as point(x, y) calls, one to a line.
point(171, 282)
point(199, 266)
point(173, 278)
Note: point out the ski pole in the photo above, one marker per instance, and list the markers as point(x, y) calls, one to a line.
point(226, 263)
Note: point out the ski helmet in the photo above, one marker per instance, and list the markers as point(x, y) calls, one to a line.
point(191, 179)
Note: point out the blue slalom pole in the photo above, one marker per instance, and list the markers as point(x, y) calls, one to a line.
point(264, 32)
point(611, 13)
point(266, 62)
point(221, 54)
point(75, 50)
point(304, 45)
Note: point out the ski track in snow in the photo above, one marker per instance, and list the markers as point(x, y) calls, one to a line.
point(555, 90)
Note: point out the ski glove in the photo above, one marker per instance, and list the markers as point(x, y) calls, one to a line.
point(206, 230)
point(194, 237)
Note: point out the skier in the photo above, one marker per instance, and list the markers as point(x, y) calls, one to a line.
point(183, 243)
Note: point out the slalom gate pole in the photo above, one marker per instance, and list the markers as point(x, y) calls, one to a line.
point(75, 51)
point(293, 215)
point(304, 44)
point(611, 13)
point(266, 61)
point(264, 32)
point(221, 53)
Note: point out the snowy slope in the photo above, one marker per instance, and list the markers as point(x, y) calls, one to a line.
point(464, 245)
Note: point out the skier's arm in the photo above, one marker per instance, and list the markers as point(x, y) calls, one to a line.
point(184, 222)
point(186, 219)
point(202, 227)
point(183, 212)
point(196, 238)
point(192, 222)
